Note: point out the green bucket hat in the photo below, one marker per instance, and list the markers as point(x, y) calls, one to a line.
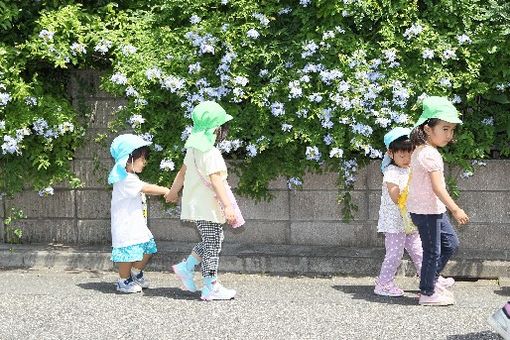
point(440, 108)
point(207, 116)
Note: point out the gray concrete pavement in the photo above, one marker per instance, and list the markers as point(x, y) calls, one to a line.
point(56, 304)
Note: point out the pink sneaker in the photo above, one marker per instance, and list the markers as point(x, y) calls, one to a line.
point(390, 289)
point(436, 299)
point(446, 282)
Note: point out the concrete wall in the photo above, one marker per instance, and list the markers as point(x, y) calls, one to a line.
point(309, 217)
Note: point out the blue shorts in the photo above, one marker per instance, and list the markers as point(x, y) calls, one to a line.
point(134, 252)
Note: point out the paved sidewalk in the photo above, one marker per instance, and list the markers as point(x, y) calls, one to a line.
point(57, 304)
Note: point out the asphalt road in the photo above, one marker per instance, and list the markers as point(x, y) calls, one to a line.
point(48, 304)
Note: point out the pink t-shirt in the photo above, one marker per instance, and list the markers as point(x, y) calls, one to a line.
point(421, 198)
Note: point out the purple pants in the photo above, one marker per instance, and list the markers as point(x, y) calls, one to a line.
point(395, 244)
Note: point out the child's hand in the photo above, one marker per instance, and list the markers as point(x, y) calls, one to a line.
point(460, 216)
point(230, 214)
point(171, 196)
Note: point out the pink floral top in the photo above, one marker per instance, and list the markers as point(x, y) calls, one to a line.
point(422, 199)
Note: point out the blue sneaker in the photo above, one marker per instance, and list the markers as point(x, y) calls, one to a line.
point(185, 275)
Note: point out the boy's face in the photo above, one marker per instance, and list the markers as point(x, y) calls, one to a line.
point(401, 158)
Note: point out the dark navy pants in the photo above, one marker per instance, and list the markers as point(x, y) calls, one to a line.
point(439, 241)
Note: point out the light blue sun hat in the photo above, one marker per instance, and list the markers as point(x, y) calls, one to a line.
point(122, 146)
point(389, 137)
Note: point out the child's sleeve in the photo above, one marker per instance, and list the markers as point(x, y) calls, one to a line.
point(132, 186)
point(391, 175)
point(431, 160)
point(214, 162)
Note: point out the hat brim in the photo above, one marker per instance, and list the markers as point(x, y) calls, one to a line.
point(453, 120)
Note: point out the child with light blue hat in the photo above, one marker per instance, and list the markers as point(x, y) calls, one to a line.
point(132, 242)
point(399, 233)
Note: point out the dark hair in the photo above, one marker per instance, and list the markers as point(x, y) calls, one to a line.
point(402, 143)
point(222, 132)
point(418, 135)
point(144, 152)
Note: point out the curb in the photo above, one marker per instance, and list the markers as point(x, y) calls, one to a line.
point(249, 258)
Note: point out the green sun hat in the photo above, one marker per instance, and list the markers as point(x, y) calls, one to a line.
point(207, 116)
point(440, 108)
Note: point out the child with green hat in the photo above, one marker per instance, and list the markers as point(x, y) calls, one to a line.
point(204, 199)
point(428, 198)
point(132, 242)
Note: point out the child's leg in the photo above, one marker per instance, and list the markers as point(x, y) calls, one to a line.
point(415, 250)
point(140, 265)
point(430, 234)
point(449, 242)
point(212, 237)
point(394, 243)
point(125, 269)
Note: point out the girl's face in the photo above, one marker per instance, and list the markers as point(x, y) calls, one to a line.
point(137, 165)
point(401, 158)
point(441, 134)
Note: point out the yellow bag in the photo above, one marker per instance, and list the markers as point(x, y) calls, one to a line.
point(409, 226)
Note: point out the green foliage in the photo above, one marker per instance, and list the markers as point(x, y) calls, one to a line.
point(312, 85)
point(13, 234)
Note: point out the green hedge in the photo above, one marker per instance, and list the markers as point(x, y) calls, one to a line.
point(313, 85)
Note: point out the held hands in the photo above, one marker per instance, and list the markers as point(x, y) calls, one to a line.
point(171, 196)
point(230, 214)
point(460, 216)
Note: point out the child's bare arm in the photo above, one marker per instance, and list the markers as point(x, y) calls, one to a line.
point(153, 189)
point(219, 188)
point(436, 178)
point(173, 193)
point(394, 191)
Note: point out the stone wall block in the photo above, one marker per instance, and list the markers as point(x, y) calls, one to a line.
point(59, 205)
point(483, 236)
point(492, 177)
point(486, 207)
point(93, 173)
point(94, 232)
point(173, 230)
point(86, 83)
point(91, 148)
point(93, 204)
point(47, 230)
point(323, 206)
point(277, 209)
point(100, 111)
point(335, 234)
point(259, 232)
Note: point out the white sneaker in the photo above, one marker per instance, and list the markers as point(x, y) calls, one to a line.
point(436, 299)
point(218, 292)
point(500, 323)
point(446, 282)
point(140, 280)
point(128, 286)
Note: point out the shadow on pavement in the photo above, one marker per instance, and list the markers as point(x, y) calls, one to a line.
point(504, 291)
point(172, 293)
point(485, 335)
point(367, 293)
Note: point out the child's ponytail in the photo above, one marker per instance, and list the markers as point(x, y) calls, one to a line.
point(418, 136)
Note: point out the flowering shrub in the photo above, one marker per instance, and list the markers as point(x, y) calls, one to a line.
point(313, 85)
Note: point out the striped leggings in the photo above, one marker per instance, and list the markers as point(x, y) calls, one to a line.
point(210, 247)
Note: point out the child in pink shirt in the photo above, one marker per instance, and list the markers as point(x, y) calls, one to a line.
point(428, 198)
